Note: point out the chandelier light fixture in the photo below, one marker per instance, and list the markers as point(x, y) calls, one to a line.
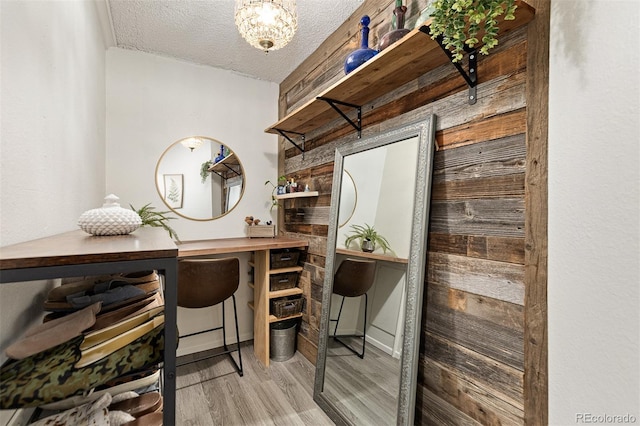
point(266, 24)
point(192, 143)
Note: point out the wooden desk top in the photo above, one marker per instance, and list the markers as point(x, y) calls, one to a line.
point(78, 247)
point(236, 245)
point(375, 256)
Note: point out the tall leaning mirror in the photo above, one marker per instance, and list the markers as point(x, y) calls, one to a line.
point(368, 347)
point(199, 178)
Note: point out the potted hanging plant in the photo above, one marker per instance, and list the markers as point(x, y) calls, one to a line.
point(204, 170)
point(461, 22)
point(368, 238)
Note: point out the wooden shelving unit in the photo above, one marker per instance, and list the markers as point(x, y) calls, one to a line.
point(407, 59)
point(279, 293)
point(263, 317)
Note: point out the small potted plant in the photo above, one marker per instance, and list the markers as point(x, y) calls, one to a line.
point(368, 238)
point(274, 191)
point(459, 22)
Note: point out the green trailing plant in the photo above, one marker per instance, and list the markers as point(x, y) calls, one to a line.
point(204, 170)
point(460, 22)
point(155, 219)
point(274, 200)
point(367, 233)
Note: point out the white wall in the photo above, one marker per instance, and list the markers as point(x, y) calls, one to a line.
point(53, 117)
point(154, 101)
point(52, 145)
point(594, 163)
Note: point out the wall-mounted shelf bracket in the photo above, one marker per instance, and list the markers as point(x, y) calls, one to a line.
point(284, 134)
point(357, 124)
point(231, 169)
point(471, 74)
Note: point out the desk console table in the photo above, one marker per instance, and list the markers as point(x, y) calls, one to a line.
point(261, 247)
point(76, 253)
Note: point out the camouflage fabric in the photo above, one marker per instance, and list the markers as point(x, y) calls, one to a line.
point(51, 375)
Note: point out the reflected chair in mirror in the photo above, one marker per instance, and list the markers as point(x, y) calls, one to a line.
point(353, 278)
point(204, 283)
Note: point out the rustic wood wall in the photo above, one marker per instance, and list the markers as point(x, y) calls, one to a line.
point(472, 356)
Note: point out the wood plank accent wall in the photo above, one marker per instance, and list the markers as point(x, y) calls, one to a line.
point(474, 360)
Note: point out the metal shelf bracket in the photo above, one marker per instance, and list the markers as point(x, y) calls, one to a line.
point(231, 169)
point(357, 124)
point(284, 134)
point(470, 76)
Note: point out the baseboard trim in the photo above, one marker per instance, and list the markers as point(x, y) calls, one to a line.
point(307, 348)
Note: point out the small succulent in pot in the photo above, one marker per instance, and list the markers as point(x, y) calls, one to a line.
point(368, 238)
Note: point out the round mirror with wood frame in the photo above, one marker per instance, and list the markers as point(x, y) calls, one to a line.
point(199, 178)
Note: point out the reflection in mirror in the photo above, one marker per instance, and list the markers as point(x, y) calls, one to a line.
point(348, 199)
point(199, 178)
point(368, 345)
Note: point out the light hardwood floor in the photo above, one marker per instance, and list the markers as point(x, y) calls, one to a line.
point(210, 392)
point(364, 390)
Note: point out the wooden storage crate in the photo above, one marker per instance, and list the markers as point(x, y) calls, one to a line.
point(284, 258)
point(283, 281)
point(261, 231)
point(286, 307)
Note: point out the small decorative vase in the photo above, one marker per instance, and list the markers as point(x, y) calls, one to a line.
point(220, 156)
point(394, 35)
point(368, 246)
point(110, 219)
point(362, 55)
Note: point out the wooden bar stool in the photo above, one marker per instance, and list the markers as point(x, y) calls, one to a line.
point(206, 282)
point(353, 278)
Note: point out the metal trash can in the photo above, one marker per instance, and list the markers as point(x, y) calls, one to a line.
point(283, 340)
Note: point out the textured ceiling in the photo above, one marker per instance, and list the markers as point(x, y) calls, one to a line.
point(204, 32)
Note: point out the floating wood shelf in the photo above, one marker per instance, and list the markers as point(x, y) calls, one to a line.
point(229, 163)
point(296, 195)
point(410, 57)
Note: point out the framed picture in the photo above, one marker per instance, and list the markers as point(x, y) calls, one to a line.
point(173, 187)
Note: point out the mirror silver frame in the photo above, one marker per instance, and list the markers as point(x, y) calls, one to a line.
point(425, 131)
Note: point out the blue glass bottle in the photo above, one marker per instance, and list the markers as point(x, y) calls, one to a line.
point(362, 55)
point(220, 156)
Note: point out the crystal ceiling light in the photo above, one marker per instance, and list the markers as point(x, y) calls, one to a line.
point(267, 24)
point(192, 143)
